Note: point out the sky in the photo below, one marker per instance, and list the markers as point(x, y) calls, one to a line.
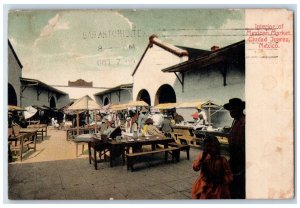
point(104, 46)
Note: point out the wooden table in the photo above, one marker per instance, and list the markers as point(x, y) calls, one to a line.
point(138, 143)
point(82, 130)
point(123, 146)
point(129, 142)
point(30, 134)
point(42, 128)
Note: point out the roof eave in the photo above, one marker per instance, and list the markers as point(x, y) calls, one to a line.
point(42, 84)
point(15, 54)
point(119, 87)
point(212, 55)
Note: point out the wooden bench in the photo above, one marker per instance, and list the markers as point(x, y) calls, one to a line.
point(42, 128)
point(184, 134)
point(182, 147)
point(133, 157)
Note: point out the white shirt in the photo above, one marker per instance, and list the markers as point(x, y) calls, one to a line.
point(157, 119)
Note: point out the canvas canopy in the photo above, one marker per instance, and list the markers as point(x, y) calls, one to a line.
point(29, 112)
point(209, 105)
point(118, 107)
point(137, 104)
point(84, 103)
point(198, 104)
point(165, 106)
point(15, 108)
point(194, 104)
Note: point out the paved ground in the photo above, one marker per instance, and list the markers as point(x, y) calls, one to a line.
point(54, 172)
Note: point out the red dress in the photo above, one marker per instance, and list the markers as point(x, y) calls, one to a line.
point(202, 189)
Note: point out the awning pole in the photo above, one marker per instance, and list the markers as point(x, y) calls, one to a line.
point(209, 117)
point(95, 115)
point(77, 118)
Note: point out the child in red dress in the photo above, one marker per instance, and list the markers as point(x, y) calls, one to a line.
point(215, 175)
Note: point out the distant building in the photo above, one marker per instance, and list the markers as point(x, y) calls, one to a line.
point(116, 95)
point(79, 88)
point(80, 83)
point(35, 92)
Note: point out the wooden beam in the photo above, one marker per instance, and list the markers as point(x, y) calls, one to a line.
point(180, 80)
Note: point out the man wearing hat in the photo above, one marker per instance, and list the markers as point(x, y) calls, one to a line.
point(236, 106)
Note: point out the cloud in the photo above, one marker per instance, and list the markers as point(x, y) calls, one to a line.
point(53, 25)
point(125, 18)
point(233, 24)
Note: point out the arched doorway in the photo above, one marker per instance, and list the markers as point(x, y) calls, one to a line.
point(106, 101)
point(165, 94)
point(144, 95)
point(12, 96)
point(52, 102)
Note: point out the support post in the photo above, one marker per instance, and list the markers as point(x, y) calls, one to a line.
point(224, 73)
point(180, 80)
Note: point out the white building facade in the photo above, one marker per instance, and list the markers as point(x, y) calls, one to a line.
point(167, 74)
point(148, 79)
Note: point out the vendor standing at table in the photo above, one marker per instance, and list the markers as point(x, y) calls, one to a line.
point(237, 147)
point(202, 116)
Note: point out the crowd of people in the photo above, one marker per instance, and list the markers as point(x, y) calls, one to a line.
point(219, 178)
point(142, 121)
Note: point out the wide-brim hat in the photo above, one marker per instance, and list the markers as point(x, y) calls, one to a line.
point(234, 103)
point(149, 121)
